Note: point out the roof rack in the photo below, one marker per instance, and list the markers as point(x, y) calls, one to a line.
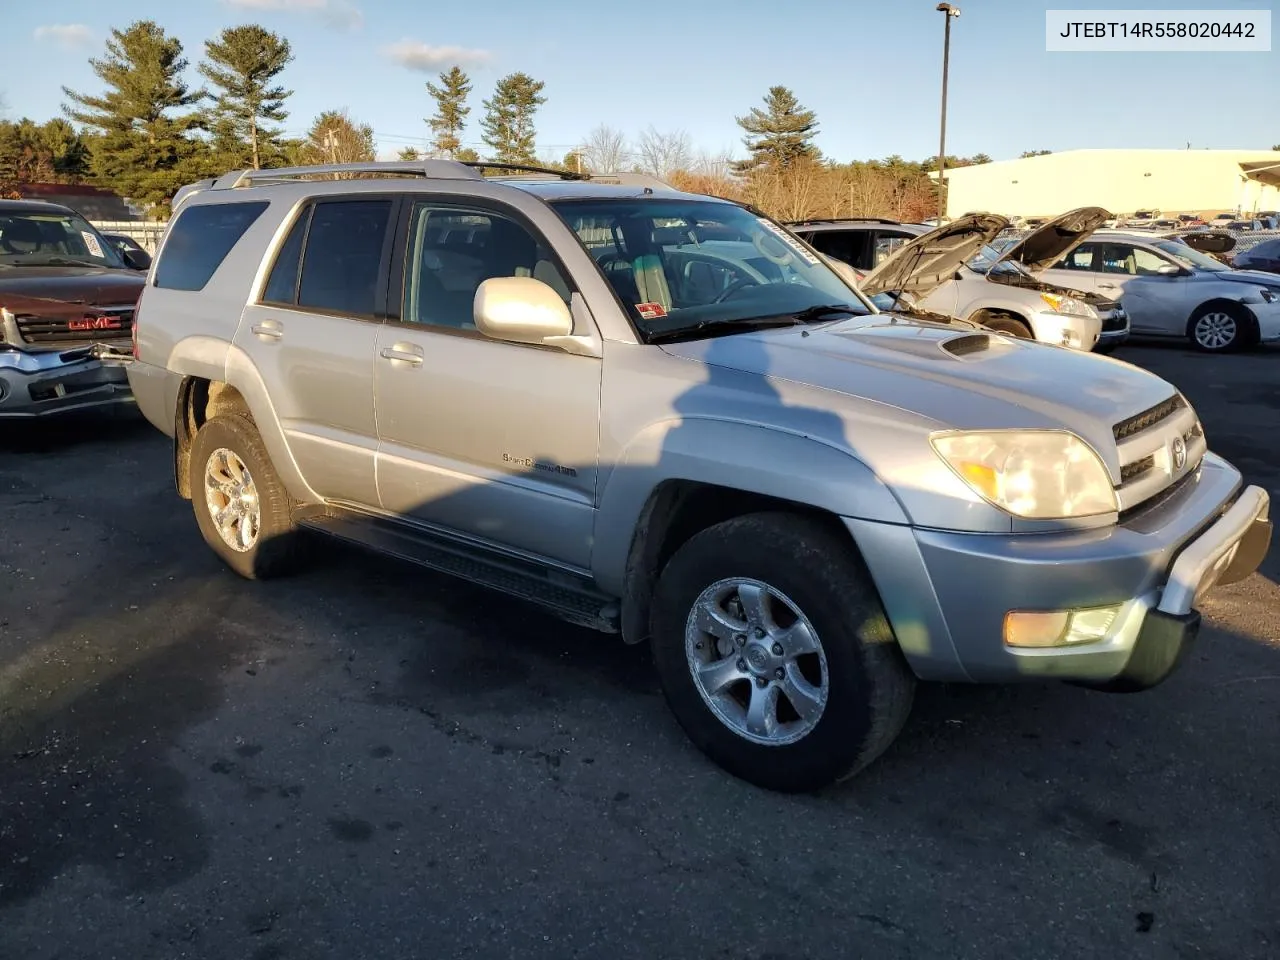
point(429, 168)
point(438, 169)
point(843, 220)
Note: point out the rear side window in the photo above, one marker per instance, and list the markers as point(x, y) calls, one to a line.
point(282, 285)
point(200, 240)
point(343, 255)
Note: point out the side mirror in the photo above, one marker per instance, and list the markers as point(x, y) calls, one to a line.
point(135, 259)
point(520, 310)
point(1170, 270)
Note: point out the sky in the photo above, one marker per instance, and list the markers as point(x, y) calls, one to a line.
point(871, 69)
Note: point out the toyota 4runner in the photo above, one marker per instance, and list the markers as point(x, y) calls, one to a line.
point(663, 415)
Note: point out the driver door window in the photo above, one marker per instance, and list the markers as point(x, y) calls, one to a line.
point(452, 251)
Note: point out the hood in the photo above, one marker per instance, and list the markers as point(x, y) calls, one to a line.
point(1260, 278)
point(930, 260)
point(955, 378)
point(33, 289)
point(1048, 244)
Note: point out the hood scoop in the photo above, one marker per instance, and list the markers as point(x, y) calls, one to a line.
point(969, 343)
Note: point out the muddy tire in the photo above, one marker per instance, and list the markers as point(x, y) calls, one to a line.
point(774, 652)
point(241, 507)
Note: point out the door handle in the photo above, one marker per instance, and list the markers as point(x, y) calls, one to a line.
point(1106, 286)
point(403, 353)
point(268, 330)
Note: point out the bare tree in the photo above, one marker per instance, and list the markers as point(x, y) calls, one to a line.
point(606, 150)
point(663, 154)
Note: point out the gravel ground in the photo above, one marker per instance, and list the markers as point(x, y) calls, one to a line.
point(371, 761)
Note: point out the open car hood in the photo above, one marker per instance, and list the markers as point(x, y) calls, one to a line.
point(1210, 242)
point(1048, 244)
point(930, 260)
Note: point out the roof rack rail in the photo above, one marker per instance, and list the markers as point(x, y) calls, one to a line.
point(442, 169)
point(522, 168)
point(885, 220)
point(632, 180)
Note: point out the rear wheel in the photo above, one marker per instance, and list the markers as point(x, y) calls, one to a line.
point(241, 506)
point(775, 655)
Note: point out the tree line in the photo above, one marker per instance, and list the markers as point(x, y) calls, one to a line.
point(147, 131)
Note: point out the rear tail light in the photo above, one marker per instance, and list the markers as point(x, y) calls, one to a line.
point(133, 327)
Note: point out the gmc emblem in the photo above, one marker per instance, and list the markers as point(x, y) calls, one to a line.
point(95, 323)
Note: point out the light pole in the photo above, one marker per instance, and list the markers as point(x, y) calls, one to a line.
point(949, 12)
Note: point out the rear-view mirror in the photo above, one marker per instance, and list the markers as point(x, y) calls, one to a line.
point(520, 310)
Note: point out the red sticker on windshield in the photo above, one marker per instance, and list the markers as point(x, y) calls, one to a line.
point(651, 311)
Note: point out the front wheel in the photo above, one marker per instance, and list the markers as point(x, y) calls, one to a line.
point(775, 655)
point(1010, 326)
point(1219, 328)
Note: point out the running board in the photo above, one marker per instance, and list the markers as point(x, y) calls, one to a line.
point(566, 595)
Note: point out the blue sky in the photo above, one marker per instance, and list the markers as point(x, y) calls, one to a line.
point(870, 68)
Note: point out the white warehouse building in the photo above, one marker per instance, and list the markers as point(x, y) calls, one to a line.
point(1204, 182)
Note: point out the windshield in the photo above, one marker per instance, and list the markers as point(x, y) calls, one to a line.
point(1189, 257)
point(985, 262)
point(681, 264)
point(38, 238)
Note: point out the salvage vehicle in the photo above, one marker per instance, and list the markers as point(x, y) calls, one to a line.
point(966, 270)
point(1170, 289)
point(66, 312)
point(789, 495)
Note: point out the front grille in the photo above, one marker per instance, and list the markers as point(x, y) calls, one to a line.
point(1148, 418)
point(1164, 496)
point(1131, 471)
point(95, 325)
point(1115, 321)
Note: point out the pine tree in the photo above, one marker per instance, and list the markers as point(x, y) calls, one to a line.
point(144, 151)
point(451, 111)
point(409, 153)
point(242, 64)
point(508, 124)
point(781, 133)
point(335, 138)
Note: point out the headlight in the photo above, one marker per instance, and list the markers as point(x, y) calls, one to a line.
point(1270, 294)
point(1063, 304)
point(1038, 475)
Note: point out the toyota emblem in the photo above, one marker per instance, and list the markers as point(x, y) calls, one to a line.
point(1179, 450)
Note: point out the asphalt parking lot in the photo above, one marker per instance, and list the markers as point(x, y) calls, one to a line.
point(371, 761)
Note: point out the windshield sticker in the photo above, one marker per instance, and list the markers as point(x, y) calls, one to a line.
point(790, 241)
point(92, 243)
point(651, 311)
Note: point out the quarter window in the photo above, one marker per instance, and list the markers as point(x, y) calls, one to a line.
point(282, 285)
point(452, 251)
point(200, 239)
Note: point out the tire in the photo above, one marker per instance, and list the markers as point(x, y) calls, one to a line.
point(1210, 323)
point(869, 687)
point(1011, 326)
point(218, 445)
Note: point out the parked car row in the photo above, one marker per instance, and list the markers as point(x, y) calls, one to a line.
point(1067, 282)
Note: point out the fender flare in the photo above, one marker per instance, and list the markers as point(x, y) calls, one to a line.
point(745, 457)
point(217, 361)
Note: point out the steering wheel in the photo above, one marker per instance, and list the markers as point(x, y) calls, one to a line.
point(731, 289)
point(758, 242)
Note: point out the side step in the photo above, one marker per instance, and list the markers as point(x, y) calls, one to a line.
point(561, 593)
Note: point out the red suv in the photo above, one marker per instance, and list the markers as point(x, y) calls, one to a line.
point(66, 308)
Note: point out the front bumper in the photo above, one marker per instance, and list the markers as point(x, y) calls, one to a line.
point(43, 384)
point(1268, 317)
point(947, 594)
point(1072, 330)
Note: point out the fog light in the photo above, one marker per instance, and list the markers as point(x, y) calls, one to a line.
point(1058, 628)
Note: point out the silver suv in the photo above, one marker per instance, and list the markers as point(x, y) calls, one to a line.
point(664, 416)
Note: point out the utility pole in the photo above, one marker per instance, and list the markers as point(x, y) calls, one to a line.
point(949, 11)
point(331, 143)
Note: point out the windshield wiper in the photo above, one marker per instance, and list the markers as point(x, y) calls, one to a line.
point(739, 324)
